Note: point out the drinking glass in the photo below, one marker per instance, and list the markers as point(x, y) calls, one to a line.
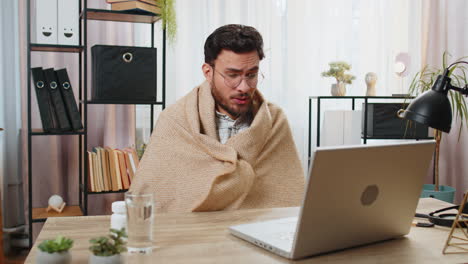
point(139, 222)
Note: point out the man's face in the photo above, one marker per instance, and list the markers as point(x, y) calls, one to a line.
point(229, 66)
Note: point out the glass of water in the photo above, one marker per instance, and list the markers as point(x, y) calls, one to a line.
point(139, 222)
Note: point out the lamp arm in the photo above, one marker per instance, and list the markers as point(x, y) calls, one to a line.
point(463, 90)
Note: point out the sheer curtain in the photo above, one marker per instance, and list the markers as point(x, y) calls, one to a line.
point(445, 29)
point(10, 119)
point(301, 37)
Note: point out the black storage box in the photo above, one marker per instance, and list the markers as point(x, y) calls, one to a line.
point(122, 73)
point(383, 123)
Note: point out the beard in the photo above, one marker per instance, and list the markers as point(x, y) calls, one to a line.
point(232, 109)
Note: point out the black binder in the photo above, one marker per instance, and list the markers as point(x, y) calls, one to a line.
point(57, 101)
point(46, 109)
point(69, 99)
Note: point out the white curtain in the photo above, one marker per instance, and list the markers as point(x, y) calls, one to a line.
point(445, 29)
point(301, 37)
point(10, 119)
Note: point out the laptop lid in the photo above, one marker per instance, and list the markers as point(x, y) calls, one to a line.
point(360, 194)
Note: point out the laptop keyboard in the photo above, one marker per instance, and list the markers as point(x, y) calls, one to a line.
point(275, 234)
point(286, 236)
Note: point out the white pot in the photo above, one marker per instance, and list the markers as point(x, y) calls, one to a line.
point(338, 89)
point(114, 259)
point(53, 258)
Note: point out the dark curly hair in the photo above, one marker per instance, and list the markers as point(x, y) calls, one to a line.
point(234, 37)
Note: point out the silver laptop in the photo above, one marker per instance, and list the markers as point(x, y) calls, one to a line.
point(354, 195)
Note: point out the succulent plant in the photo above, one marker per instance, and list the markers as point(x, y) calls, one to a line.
point(60, 244)
point(110, 245)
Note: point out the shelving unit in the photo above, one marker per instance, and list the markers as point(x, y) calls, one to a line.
point(123, 102)
point(36, 215)
point(39, 214)
point(56, 48)
point(353, 99)
point(118, 16)
point(40, 132)
point(115, 16)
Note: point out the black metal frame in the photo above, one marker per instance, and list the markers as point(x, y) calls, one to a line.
point(33, 47)
point(82, 51)
point(353, 103)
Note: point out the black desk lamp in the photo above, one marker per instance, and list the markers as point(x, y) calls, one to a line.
point(432, 108)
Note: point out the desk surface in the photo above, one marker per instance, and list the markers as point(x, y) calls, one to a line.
point(204, 238)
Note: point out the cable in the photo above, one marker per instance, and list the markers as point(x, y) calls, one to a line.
point(456, 63)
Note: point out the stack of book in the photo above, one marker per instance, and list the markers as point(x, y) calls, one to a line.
point(111, 169)
point(135, 5)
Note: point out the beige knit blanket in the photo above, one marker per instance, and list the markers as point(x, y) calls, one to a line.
point(188, 169)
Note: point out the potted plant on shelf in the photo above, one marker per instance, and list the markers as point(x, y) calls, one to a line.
point(422, 82)
point(337, 70)
point(106, 250)
point(54, 251)
point(168, 16)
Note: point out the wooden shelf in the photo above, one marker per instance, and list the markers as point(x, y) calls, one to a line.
point(120, 16)
point(56, 48)
point(40, 132)
point(362, 97)
point(119, 191)
point(41, 213)
point(123, 102)
point(397, 138)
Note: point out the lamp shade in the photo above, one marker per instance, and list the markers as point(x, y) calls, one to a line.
point(431, 108)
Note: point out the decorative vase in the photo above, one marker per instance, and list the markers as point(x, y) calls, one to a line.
point(338, 89)
point(114, 259)
point(53, 258)
point(371, 79)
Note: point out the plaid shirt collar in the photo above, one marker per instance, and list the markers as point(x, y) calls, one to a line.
point(228, 127)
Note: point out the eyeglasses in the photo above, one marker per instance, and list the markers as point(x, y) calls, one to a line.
point(232, 80)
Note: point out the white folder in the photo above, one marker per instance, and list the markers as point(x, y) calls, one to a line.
point(68, 22)
point(45, 22)
point(341, 128)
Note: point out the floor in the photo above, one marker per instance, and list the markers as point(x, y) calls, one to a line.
point(17, 258)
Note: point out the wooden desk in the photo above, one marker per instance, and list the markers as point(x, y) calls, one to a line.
point(204, 238)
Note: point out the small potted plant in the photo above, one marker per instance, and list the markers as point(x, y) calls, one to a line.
point(337, 70)
point(54, 251)
point(106, 250)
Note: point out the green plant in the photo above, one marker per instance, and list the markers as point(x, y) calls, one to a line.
point(423, 82)
point(59, 244)
point(168, 16)
point(111, 245)
point(140, 149)
point(337, 70)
